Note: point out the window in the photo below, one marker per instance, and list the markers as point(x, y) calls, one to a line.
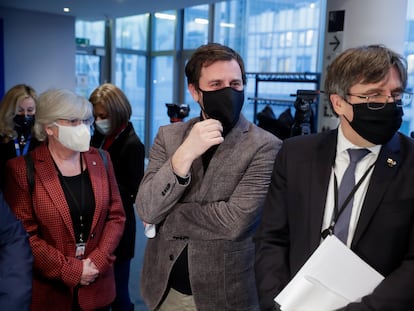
point(161, 90)
point(305, 38)
point(164, 31)
point(303, 63)
point(88, 73)
point(93, 31)
point(131, 32)
point(229, 24)
point(195, 26)
point(283, 64)
point(266, 40)
point(265, 64)
point(286, 39)
point(130, 77)
point(270, 35)
point(131, 65)
point(408, 119)
point(90, 38)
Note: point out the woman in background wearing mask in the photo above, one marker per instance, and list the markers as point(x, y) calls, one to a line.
point(17, 111)
point(73, 213)
point(115, 133)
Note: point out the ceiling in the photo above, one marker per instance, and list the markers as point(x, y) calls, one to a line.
point(100, 9)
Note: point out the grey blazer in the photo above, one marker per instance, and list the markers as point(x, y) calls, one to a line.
point(215, 215)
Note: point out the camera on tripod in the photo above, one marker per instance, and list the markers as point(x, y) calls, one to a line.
point(303, 121)
point(177, 112)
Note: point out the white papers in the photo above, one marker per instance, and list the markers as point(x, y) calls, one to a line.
point(331, 278)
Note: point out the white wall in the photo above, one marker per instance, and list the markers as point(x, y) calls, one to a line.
point(39, 49)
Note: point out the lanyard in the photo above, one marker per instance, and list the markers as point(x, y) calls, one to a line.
point(25, 145)
point(337, 212)
point(81, 205)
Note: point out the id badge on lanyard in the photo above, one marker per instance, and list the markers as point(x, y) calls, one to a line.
point(80, 250)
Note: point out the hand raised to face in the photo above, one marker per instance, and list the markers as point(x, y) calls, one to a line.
point(203, 135)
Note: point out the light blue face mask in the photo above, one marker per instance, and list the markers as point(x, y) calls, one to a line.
point(103, 126)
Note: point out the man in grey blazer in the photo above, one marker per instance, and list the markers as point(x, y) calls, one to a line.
point(204, 188)
point(365, 86)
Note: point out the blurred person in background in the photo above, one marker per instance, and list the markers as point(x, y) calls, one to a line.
point(17, 113)
point(115, 134)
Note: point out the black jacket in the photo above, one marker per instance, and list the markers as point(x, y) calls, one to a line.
point(127, 155)
point(7, 152)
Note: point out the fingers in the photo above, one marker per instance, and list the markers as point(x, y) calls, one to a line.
point(87, 280)
point(89, 273)
point(203, 135)
point(86, 283)
point(94, 267)
point(209, 126)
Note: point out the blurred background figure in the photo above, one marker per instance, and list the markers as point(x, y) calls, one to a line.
point(177, 112)
point(72, 211)
point(115, 133)
point(16, 262)
point(17, 113)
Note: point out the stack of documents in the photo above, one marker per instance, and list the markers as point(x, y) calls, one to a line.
point(332, 277)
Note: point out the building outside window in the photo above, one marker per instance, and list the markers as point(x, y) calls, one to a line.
point(408, 120)
point(131, 65)
point(271, 35)
point(90, 45)
point(196, 23)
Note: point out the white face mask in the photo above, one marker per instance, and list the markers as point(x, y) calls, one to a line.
point(76, 138)
point(103, 126)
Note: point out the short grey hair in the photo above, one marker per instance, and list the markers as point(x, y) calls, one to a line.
point(59, 104)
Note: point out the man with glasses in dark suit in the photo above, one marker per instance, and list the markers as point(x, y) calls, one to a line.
point(366, 87)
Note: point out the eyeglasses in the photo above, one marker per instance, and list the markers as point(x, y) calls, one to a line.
point(378, 101)
point(75, 122)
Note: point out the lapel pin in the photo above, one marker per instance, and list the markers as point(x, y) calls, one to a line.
point(391, 162)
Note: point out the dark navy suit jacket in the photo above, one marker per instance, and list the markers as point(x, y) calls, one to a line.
point(16, 262)
point(291, 225)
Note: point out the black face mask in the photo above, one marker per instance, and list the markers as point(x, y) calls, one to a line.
point(224, 105)
point(376, 126)
point(23, 124)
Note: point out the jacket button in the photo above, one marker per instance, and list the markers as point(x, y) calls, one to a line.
point(171, 257)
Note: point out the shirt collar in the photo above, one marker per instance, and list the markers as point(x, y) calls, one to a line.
point(344, 144)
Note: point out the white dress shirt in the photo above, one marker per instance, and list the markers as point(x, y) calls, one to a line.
point(341, 163)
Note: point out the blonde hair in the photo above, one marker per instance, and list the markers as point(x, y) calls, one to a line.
point(8, 108)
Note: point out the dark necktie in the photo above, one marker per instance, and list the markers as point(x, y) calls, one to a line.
point(345, 188)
